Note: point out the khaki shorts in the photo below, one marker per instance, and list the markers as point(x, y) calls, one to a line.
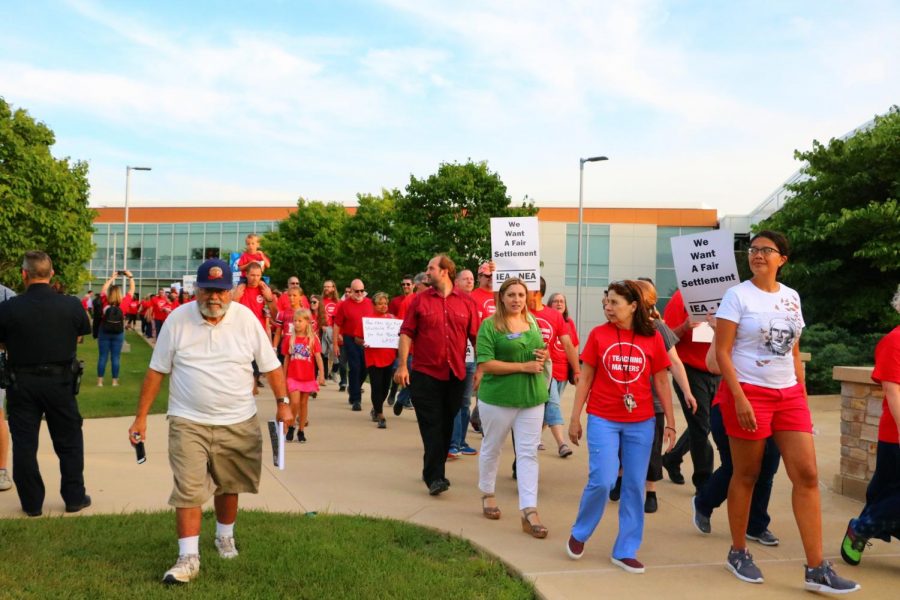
point(209, 460)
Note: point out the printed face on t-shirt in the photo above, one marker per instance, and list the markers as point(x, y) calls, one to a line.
point(780, 336)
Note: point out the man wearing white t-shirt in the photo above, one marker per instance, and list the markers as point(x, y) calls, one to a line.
point(215, 445)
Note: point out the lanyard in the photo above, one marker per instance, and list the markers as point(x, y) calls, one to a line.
point(627, 397)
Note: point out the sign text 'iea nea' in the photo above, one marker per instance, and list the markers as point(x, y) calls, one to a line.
point(515, 250)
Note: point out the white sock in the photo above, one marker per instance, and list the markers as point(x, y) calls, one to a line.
point(223, 530)
point(189, 545)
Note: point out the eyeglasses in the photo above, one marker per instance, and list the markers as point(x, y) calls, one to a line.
point(765, 251)
point(358, 291)
point(484, 274)
point(406, 284)
point(293, 283)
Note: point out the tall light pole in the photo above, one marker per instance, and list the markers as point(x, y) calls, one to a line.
point(581, 162)
point(128, 171)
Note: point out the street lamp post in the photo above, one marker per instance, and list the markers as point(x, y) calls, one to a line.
point(578, 282)
point(128, 171)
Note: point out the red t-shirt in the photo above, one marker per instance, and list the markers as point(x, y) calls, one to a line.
point(349, 316)
point(301, 363)
point(612, 352)
point(887, 368)
point(254, 300)
point(690, 352)
point(380, 357)
point(284, 320)
point(330, 306)
point(161, 308)
point(394, 304)
point(247, 258)
point(439, 327)
point(125, 304)
point(284, 302)
point(558, 353)
point(145, 304)
point(484, 300)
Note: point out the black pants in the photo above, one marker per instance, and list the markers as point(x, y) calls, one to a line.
point(380, 379)
point(29, 399)
point(881, 516)
point(696, 438)
point(654, 469)
point(436, 403)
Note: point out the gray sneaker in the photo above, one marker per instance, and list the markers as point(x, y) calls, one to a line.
point(5, 481)
point(186, 568)
point(740, 562)
point(766, 538)
point(225, 546)
point(823, 579)
point(701, 521)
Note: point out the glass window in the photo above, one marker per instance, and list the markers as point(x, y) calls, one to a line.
point(181, 227)
point(213, 229)
point(229, 227)
point(665, 266)
point(197, 228)
point(594, 255)
point(166, 228)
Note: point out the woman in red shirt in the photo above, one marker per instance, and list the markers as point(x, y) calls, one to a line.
point(380, 363)
point(880, 518)
point(620, 359)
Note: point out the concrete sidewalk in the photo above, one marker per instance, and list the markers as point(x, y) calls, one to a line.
point(349, 466)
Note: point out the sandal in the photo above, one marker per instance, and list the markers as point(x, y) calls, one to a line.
point(489, 512)
point(565, 451)
point(536, 531)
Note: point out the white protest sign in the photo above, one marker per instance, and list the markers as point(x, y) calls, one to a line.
point(188, 282)
point(515, 250)
point(381, 333)
point(705, 268)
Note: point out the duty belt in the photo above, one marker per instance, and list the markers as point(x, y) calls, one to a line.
point(48, 369)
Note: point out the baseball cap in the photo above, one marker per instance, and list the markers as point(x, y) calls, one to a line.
point(215, 274)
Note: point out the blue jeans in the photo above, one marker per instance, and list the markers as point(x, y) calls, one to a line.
point(552, 412)
point(713, 493)
point(461, 423)
point(881, 516)
point(356, 367)
point(110, 346)
point(604, 439)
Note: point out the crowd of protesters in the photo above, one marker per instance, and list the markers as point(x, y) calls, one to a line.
point(516, 355)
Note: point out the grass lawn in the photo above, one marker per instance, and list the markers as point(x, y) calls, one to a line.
point(282, 556)
point(108, 401)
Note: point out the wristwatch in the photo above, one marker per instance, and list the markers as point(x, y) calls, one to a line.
point(284, 400)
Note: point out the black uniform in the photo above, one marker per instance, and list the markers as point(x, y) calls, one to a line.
point(40, 330)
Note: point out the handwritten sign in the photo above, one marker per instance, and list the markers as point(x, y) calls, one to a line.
point(381, 333)
point(515, 250)
point(705, 268)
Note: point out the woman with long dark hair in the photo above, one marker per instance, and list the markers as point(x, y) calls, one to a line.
point(620, 359)
point(758, 326)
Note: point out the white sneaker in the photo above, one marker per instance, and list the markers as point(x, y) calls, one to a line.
point(186, 568)
point(225, 546)
point(5, 481)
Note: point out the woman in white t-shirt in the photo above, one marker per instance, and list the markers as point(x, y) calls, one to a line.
point(758, 328)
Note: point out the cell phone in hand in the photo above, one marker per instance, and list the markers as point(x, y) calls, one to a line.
point(139, 450)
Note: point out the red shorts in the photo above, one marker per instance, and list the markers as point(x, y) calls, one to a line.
point(775, 410)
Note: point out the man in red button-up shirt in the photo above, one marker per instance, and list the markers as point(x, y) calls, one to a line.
point(439, 321)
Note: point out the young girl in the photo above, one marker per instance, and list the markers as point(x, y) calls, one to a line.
point(284, 323)
point(303, 353)
point(379, 362)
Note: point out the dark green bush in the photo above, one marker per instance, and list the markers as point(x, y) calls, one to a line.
point(830, 347)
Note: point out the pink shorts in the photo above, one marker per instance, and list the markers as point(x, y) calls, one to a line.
point(775, 410)
point(295, 385)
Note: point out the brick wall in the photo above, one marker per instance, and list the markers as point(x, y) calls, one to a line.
point(861, 400)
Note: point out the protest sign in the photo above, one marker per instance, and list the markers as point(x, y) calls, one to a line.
point(381, 333)
point(515, 250)
point(704, 268)
point(188, 282)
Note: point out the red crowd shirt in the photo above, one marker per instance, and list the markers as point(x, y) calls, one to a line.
point(887, 368)
point(254, 300)
point(484, 301)
point(301, 363)
point(613, 355)
point(439, 327)
point(395, 303)
point(284, 302)
point(161, 308)
point(380, 357)
point(558, 353)
point(691, 353)
point(330, 307)
point(349, 316)
point(125, 303)
point(145, 305)
point(285, 321)
point(247, 258)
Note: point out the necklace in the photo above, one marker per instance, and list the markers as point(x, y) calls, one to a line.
point(627, 397)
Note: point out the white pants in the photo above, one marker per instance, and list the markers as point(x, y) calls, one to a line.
point(496, 423)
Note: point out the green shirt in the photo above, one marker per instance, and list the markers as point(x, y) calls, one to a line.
point(516, 390)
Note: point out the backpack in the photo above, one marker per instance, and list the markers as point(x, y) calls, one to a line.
point(113, 320)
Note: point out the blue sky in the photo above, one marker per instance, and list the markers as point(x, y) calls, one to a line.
point(243, 103)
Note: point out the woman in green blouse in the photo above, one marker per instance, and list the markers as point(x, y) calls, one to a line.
point(511, 396)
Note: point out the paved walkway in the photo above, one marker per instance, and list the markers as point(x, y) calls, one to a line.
point(351, 467)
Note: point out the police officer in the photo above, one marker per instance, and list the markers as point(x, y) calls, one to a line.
point(40, 330)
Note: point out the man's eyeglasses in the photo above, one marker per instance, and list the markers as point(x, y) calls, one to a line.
point(358, 291)
point(767, 252)
point(405, 284)
point(293, 283)
point(488, 275)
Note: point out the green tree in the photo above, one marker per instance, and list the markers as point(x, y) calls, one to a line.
point(450, 212)
point(843, 223)
point(308, 243)
point(369, 244)
point(43, 201)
